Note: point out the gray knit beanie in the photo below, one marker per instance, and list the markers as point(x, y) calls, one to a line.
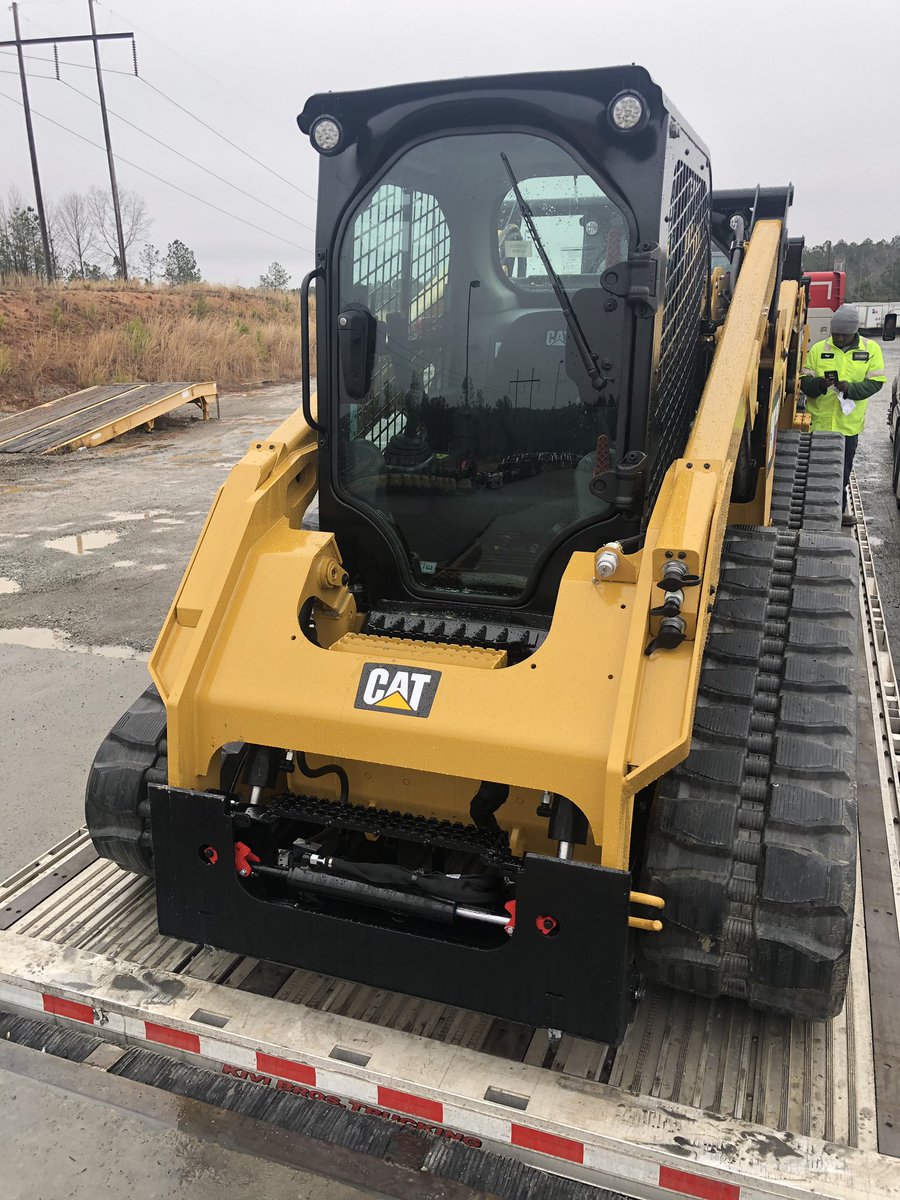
point(845, 320)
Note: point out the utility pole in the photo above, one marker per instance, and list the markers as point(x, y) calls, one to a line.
point(19, 42)
point(38, 195)
point(120, 233)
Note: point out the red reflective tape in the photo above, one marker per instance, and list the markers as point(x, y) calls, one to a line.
point(416, 1106)
point(285, 1069)
point(68, 1008)
point(547, 1143)
point(687, 1184)
point(167, 1036)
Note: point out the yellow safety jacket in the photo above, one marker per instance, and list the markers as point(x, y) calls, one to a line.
point(861, 363)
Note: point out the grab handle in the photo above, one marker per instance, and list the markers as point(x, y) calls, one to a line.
point(316, 273)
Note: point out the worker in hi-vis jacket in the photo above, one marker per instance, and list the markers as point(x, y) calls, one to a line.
point(839, 376)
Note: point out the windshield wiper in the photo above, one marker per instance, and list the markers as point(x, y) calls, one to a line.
point(598, 382)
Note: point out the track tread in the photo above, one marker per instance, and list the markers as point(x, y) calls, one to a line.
point(132, 755)
point(753, 845)
point(807, 481)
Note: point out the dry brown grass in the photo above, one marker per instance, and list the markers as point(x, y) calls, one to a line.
point(58, 338)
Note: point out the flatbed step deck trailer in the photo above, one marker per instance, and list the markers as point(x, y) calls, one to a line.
point(706, 1099)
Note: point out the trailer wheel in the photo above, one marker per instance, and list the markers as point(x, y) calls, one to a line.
point(131, 756)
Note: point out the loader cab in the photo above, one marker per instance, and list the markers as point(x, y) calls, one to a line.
point(470, 444)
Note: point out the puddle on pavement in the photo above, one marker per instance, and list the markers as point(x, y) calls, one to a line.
point(84, 543)
point(8, 586)
point(168, 521)
point(147, 515)
point(158, 567)
point(36, 638)
point(125, 562)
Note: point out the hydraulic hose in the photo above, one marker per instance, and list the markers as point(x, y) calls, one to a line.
point(329, 769)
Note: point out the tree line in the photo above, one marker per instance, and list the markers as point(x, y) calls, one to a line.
point(873, 268)
point(84, 242)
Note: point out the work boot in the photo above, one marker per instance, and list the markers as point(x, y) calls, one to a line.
point(848, 520)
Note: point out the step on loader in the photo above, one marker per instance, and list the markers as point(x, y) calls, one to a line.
point(559, 693)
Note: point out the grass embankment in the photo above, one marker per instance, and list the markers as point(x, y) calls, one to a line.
point(59, 338)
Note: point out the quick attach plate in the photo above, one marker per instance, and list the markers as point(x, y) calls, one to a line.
point(576, 979)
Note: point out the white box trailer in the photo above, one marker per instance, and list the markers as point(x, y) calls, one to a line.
point(871, 316)
point(704, 1099)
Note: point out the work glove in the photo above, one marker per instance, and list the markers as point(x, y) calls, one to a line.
point(820, 387)
point(843, 387)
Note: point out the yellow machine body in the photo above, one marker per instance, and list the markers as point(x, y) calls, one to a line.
point(589, 715)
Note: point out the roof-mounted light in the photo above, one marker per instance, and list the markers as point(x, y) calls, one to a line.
point(326, 135)
point(628, 111)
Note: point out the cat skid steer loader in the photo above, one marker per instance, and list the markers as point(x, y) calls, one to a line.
point(559, 695)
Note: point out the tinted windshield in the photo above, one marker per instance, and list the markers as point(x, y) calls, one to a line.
point(480, 434)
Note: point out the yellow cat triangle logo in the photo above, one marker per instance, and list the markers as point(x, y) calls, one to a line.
point(395, 700)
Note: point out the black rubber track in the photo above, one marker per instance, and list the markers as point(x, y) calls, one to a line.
point(806, 482)
point(752, 840)
point(116, 807)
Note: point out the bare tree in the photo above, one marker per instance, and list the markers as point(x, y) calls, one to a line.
point(76, 230)
point(135, 220)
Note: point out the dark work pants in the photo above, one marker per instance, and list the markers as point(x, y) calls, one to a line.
point(850, 444)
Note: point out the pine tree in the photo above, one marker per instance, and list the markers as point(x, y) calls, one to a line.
point(181, 265)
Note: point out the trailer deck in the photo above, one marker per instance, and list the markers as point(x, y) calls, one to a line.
point(705, 1099)
point(98, 414)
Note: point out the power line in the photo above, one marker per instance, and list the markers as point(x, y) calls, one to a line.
point(167, 182)
point(195, 68)
point(188, 159)
point(188, 113)
point(212, 129)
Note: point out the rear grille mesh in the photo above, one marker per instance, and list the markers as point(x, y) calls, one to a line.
point(687, 272)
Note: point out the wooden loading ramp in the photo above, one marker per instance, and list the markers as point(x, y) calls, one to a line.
point(97, 414)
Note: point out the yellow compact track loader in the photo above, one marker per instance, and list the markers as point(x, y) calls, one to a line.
point(557, 691)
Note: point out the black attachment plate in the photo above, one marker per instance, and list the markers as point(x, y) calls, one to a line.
point(577, 980)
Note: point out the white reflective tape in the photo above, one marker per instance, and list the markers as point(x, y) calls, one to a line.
point(877, 374)
point(348, 1086)
point(21, 997)
point(483, 1125)
point(226, 1052)
point(621, 1166)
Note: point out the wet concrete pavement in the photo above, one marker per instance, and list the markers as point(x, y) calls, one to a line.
point(92, 548)
point(113, 1138)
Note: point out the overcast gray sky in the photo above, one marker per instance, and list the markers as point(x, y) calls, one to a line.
point(800, 90)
